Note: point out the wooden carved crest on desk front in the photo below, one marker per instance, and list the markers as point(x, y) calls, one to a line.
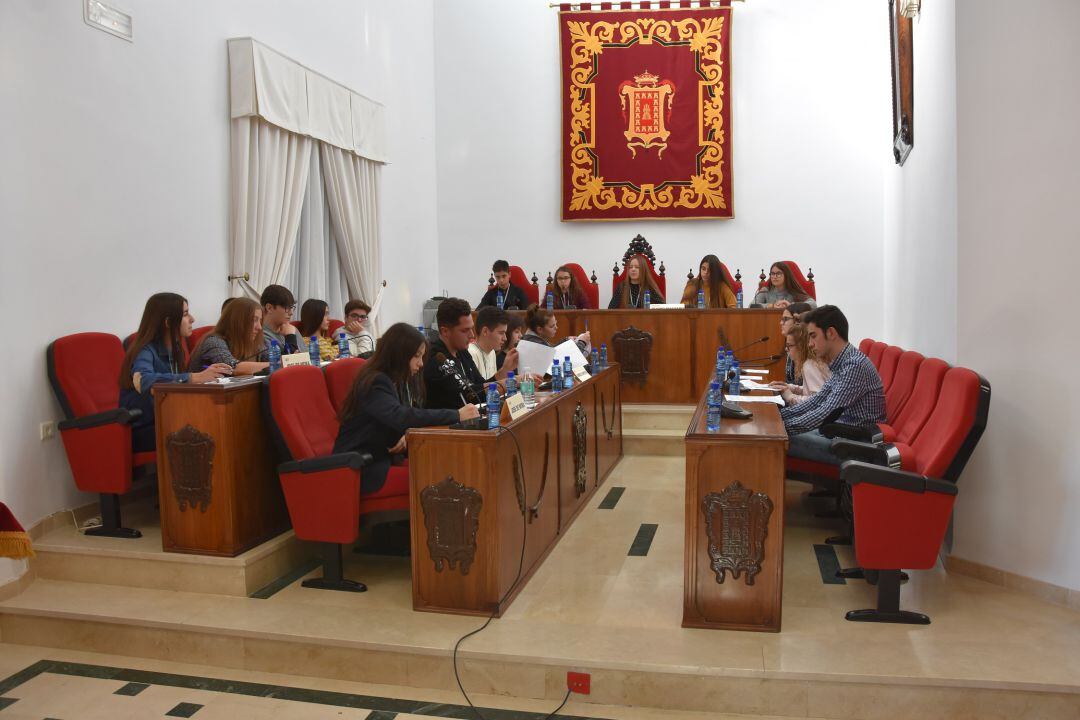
point(736, 523)
point(452, 519)
point(191, 464)
point(633, 351)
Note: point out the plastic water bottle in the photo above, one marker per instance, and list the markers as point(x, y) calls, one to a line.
point(648, 300)
point(712, 417)
point(511, 384)
point(499, 299)
point(342, 346)
point(720, 357)
point(567, 373)
point(556, 377)
point(738, 299)
point(603, 356)
point(274, 356)
point(736, 386)
point(701, 299)
point(595, 360)
point(528, 386)
point(313, 350)
point(550, 301)
point(494, 405)
point(729, 362)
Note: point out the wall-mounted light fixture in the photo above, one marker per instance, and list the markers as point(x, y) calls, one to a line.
point(910, 8)
point(115, 22)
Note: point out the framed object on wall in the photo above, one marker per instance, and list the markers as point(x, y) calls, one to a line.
point(903, 83)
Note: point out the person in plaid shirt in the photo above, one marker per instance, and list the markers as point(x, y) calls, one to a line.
point(853, 395)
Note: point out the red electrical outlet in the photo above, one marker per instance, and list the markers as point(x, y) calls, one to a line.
point(578, 682)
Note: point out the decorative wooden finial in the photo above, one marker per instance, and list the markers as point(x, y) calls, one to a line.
point(662, 268)
point(810, 275)
point(534, 279)
point(738, 275)
point(690, 275)
point(491, 279)
point(550, 279)
point(761, 277)
point(592, 278)
point(615, 269)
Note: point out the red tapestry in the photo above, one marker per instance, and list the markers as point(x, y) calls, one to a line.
point(646, 114)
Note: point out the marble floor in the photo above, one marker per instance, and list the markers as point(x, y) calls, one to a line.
point(594, 606)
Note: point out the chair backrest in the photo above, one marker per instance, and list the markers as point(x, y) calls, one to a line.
point(340, 376)
point(865, 345)
point(660, 278)
point(84, 371)
point(953, 420)
point(876, 351)
point(301, 409)
point(588, 285)
point(903, 382)
point(198, 334)
point(805, 281)
point(735, 285)
point(922, 400)
point(521, 280)
point(889, 359)
point(335, 325)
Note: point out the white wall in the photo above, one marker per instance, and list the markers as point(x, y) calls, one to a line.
point(115, 181)
point(1019, 180)
point(920, 200)
point(811, 127)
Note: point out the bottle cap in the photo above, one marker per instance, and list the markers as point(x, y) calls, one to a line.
point(275, 343)
point(314, 339)
point(341, 334)
point(567, 358)
point(714, 386)
point(492, 386)
point(510, 375)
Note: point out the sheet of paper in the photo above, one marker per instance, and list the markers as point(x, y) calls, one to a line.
point(774, 399)
point(517, 406)
point(568, 347)
point(536, 357)
point(751, 384)
point(754, 371)
point(581, 374)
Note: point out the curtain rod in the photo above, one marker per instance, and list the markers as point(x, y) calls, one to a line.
point(576, 7)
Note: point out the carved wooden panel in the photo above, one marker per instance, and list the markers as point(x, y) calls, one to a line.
point(519, 483)
point(736, 523)
point(452, 519)
point(581, 472)
point(191, 464)
point(633, 351)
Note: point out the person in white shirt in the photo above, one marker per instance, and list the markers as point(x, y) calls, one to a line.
point(810, 372)
point(361, 341)
point(491, 325)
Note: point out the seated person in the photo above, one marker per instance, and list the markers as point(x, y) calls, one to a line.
point(782, 289)
point(315, 322)
point(491, 325)
point(237, 340)
point(515, 328)
point(630, 293)
point(852, 395)
point(513, 297)
point(809, 372)
point(788, 318)
point(361, 341)
point(565, 294)
point(711, 279)
point(541, 326)
point(156, 355)
point(278, 305)
point(452, 380)
point(385, 401)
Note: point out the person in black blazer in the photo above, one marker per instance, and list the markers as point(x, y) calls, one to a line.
point(385, 401)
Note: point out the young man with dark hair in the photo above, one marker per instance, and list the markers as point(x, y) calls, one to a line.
point(455, 322)
point(853, 395)
point(361, 341)
point(491, 324)
point(278, 305)
point(513, 297)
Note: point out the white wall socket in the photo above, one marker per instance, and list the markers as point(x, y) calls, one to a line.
point(48, 430)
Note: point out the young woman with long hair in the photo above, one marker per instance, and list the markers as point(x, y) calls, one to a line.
point(631, 292)
point(541, 326)
point(781, 289)
point(157, 355)
point(566, 293)
point(788, 318)
point(315, 322)
point(237, 340)
point(710, 278)
point(810, 372)
point(387, 399)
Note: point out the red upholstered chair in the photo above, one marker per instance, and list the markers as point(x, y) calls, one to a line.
point(587, 284)
point(84, 371)
point(198, 334)
point(889, 359)
point(340, 376)
point(531, 288)
point(335, 325)
point(865, 345)
point(876, 351)
point(903, 382)
point(660, 278)
point(806, 281)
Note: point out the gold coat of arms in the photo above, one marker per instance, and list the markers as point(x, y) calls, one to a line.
point(646, 105)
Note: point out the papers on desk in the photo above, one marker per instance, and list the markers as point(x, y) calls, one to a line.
point(753, 371)
point(751, 384)
point(774, 399)
point(539, 358)
point(666, 306)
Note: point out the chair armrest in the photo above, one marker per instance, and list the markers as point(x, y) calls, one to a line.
point(855, 472)
point(867, 434)
point(352, 460)
point(863, 451)
point(122, 416)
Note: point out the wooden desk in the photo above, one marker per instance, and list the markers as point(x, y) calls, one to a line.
point(217, 483)
point(469, 510)
point(684, 345)
point(734, 551)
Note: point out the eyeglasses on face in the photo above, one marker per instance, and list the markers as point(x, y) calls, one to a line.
point(357, 316)
point(776, 273)
point(789, 346)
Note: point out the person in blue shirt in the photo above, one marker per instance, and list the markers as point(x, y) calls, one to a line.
point(157, 355)
point(853, 395)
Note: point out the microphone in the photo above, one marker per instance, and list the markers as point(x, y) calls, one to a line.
point(751, 344)
point(449, 369)
point(761, 360)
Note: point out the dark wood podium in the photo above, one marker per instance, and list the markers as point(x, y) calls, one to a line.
point(217, 483)
point(734, 551)
point(475, 499)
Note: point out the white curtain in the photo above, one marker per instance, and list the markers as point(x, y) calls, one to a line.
point(270, 175)
point(352, 195)
point(315, 271)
